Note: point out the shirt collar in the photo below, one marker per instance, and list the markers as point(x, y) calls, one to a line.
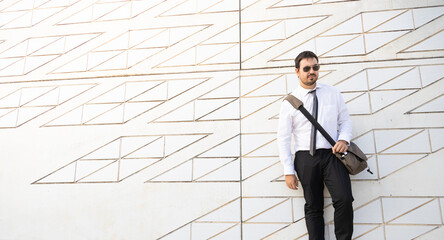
point(305, 91)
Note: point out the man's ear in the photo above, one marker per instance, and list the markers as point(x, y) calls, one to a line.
point(297, 71)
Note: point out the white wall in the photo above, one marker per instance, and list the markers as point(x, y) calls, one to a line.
point(157, 118)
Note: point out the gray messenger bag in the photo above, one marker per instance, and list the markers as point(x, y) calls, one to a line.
point(354, 159)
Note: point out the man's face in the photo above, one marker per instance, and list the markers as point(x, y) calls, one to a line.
point(307, 79)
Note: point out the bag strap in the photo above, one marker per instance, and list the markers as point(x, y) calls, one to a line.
point(296, 103)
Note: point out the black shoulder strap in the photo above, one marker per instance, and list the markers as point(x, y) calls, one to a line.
point(296, 103)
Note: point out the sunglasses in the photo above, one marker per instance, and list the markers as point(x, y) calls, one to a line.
point(315, 68)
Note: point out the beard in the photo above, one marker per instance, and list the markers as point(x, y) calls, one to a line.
point(310, 80)
point(307, 80)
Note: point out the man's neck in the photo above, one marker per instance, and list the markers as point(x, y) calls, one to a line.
point(311, 87)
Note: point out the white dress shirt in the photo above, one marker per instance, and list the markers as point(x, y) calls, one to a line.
point(332, 115)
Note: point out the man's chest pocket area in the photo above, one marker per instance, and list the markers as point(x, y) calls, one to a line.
point(327, 114)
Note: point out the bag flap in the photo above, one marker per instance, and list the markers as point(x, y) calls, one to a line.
point(355, 150)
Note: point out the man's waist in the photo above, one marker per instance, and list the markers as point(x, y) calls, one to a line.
point(323, 144)
point(317, 149)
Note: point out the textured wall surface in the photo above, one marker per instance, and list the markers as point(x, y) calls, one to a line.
point(156, 119)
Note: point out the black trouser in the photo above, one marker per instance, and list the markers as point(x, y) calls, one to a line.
point(313, 172)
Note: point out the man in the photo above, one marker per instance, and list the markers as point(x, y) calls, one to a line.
point(317, 165)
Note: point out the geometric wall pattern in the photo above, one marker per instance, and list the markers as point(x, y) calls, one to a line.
point(125, 102)
point(27, 103)
point(368, 31)
point(25, 14)
point(371, 90)
point(119, 159)
point(137, 119)
point(33, 53)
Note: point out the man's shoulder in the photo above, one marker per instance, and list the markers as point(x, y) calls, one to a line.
point(328, 87)
point(294, 92)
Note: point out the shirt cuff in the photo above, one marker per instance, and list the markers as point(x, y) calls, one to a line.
point(289, 170)
point(344, 137)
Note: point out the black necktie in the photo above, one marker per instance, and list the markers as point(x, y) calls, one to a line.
point(313, 129)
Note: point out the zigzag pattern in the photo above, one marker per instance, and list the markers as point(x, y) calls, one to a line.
point(120, 158)
point(27, 103)
point(173, 105)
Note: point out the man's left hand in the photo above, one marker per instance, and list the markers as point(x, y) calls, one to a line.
point(341, 146)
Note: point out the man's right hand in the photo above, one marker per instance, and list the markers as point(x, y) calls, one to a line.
point(291, 181)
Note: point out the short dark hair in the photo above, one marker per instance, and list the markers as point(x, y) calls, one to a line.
point(302, 55)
